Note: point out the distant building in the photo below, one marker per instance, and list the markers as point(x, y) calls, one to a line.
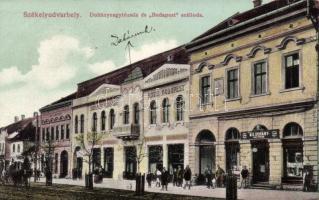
point(55, 136)
point(19, 140)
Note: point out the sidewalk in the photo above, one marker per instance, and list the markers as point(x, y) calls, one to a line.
point(249, 194)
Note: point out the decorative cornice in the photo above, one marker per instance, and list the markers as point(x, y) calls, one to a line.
point(254, 50)
point(231, 56)
point(289, 38)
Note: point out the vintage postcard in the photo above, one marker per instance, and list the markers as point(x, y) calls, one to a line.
point(170, 99)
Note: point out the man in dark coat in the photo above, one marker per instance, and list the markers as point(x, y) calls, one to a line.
point(245, 176)
point(187, 177)
point(149, 179)
point(165, 176)
point(180, 176)
point(208, 176)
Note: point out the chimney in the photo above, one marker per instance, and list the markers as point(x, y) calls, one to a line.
point(16, 118)
point(22, 117)
point(257, 3)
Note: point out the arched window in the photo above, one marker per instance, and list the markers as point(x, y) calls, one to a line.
point(153, 112)
point(94, 122)
point(52, 133)
point(82, 123)
point(232, 134)
point(165, 106)
point(103, 117)
point(179, 108)
point(13, 148)
point(292, 130)
point(57, 133)
point(136, 114)
point(126, 115)
point(76, 124)
point(112, 118)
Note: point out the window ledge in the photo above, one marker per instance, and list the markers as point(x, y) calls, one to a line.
point(233, 99)
point(259, 95)
point(201, 105)
point(179, 123)
point(152, 126)
point(165, 124)
point(292, 89)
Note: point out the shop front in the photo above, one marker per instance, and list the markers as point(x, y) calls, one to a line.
point(108, 162)
point(175, 157)
point(155, 158)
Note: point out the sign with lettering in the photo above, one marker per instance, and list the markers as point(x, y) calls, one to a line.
point(165, 91)
point(262, 134)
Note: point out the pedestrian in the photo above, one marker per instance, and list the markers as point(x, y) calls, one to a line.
point(158, 178)
point(149, 179)
point(245, 176)
point(165, 176)
point(220, 176)
point(208, 176)
point(187, 177)
point(175, 178)
point(180, 176)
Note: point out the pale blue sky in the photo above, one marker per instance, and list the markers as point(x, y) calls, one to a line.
point(42, 60)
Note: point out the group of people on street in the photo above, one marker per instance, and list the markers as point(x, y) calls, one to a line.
point(162, 178)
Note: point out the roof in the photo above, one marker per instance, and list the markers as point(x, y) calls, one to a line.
point(21, 130)
point(64, 101)
point(248, 18)
point(146, 66)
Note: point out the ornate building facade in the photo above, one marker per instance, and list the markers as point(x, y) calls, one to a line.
point(55, 137)
point(115, 108)
point(254, 102)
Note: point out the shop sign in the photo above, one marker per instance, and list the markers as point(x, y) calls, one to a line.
point(263, 134)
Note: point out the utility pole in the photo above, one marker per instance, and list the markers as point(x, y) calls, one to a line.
point(36, 149)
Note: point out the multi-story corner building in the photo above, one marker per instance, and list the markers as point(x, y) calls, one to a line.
point(17, 140)
point(55, 137)
point(254, 94)
point(113, 106)
point(166, 122)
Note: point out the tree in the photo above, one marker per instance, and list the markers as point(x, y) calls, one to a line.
point(87, 145)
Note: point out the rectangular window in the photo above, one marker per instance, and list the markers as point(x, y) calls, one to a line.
point(43, 134)
point(57, 133)
point(232, 84)
point(205, 89)
point(62, 132)
point(67, 136)
point(292, 71)
point(52, 133)
point(260, 78)
point(48, 134)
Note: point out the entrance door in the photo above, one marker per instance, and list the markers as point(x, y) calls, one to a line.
point(260, 151)
point(108, 162)
point(64, 164)
point(206, 154)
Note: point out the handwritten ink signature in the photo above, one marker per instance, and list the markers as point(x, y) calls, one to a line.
point(127, 36)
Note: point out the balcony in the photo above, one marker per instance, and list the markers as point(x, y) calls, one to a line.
point(127, 131)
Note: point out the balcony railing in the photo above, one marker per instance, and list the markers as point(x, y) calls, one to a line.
point(127, 131)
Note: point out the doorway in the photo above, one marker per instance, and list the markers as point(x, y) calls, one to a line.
point(260, 149)
point(64, 164)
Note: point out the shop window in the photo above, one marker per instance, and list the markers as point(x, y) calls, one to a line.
point(165, 107)
point(175, 157)
point(293, 151)
point(103, 120)
point(205, 89)
point(291, 70)
point(112, 119)
point(232, 149)
point(108, 162)
point(260, 78)
point(82, 123)
point(94, 122)
point(76, 124)
point(136, 113)
point(126, 115)
point(130, 162)
point(232, 84)
point(153, 112)
point(155, 158)
point(96, 158)
point(180, 108)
